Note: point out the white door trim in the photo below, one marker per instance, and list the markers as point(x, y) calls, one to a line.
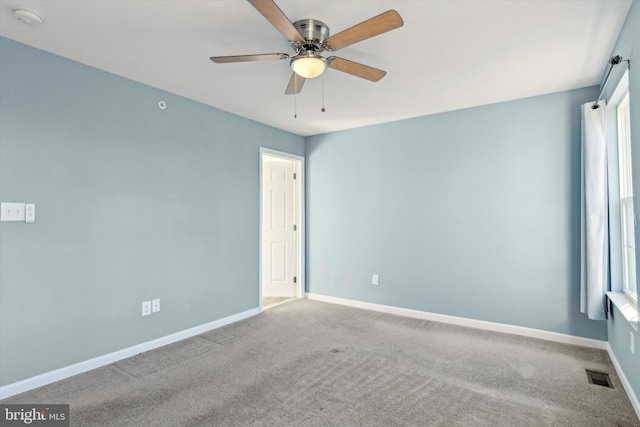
point(300, 256)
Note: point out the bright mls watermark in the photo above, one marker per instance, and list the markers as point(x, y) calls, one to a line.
point(34, 415)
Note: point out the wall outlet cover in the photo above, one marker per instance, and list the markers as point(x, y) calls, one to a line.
point(155, 305)
point(146, 308)
point(30, 212)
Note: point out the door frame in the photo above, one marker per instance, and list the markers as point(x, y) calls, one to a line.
point(300, 220)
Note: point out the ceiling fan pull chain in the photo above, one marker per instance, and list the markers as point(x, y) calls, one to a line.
point(323, 110)
point(295, 95)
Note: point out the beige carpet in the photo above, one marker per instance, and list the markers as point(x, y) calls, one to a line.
point(307, 363)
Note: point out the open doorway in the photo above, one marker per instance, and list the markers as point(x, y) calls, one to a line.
point(281, 227)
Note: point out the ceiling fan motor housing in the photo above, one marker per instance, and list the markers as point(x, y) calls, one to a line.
point(314, 33)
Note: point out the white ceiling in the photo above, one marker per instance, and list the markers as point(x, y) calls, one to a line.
point(448, 55)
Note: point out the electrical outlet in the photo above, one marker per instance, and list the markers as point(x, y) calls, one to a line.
point(632, 346)
point(374, 279)
point(155, 305)
point(146, 308)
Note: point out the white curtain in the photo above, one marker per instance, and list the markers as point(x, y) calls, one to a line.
point(594, 259)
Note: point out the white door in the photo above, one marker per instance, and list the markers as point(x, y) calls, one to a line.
point(278, 227)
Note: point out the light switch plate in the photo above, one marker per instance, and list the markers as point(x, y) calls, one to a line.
point(12, 211)
point(155, 305)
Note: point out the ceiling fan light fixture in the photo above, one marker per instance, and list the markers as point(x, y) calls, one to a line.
point(309, 66)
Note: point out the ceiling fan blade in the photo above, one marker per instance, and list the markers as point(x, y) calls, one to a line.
point(390, 20)
point(355, 69)
point(295, 84)
point(277, 18)
point(248, 58)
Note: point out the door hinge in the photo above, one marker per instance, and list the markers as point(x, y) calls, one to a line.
point(294, 176)
point(295, 279)
point(295, 227)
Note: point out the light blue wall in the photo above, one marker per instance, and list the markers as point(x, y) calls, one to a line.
point(132, 203)
point(473, 213)
point(628, 46)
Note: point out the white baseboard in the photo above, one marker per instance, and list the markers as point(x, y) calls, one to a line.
point(625, 382)
point(97, 362)
point(462, 321)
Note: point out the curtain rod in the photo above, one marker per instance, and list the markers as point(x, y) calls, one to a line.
point(615, 60)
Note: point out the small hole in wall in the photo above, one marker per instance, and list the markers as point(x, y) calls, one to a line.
point(162, 105)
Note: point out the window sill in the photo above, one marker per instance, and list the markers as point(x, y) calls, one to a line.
point(626, 306)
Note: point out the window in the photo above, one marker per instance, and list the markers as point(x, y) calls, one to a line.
point(627, 217)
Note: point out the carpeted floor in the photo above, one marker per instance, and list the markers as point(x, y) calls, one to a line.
point(308, 363)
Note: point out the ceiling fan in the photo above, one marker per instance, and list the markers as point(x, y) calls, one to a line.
point(310, 37)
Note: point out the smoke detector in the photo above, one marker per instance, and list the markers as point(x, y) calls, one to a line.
point(28, 17)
